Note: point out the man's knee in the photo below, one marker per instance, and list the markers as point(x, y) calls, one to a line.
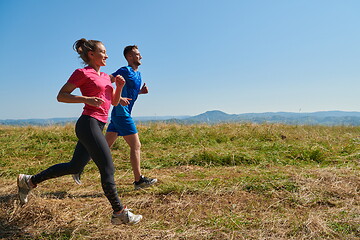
point(136, 146)
point(133, 142)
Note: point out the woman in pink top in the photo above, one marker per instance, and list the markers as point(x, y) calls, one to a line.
point(97, 94)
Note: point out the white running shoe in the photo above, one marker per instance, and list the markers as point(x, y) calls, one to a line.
point(76, 178)
point(23, 187)
point(125, 217)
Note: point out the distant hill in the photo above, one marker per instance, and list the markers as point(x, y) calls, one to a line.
point(328, 118)
point(38, 122)
point(62, 121)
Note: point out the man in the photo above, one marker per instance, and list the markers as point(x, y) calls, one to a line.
point(121, 123)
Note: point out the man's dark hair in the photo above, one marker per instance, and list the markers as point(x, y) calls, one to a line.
point(128, 49)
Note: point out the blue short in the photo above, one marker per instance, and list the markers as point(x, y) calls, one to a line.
point(122, 125)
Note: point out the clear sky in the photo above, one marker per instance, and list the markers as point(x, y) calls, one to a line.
point(237, 56)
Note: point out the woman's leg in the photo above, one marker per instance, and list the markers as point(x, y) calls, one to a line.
point(80, 158)
point(92, 138)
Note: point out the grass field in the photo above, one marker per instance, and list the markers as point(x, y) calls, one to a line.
point(226, 181)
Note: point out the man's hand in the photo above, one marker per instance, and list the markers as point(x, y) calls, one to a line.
point(144, 89)
point(124, 101)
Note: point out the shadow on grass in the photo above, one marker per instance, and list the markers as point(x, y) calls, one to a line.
point(15, 228)
point(8, 198)
point(8, 229)
point(11, 231)
point(64, 194)
point(54, 195)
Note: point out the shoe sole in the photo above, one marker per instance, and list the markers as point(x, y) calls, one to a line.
point(77, 181)
point(135, 222)
point(120, 222)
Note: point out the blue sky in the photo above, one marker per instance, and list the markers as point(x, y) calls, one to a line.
point(236, 56)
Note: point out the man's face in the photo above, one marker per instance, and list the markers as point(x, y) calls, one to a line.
point(135, 57)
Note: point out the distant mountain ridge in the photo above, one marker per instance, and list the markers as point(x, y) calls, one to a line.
point(316, 118)
point(37, 121)
point(329, 118)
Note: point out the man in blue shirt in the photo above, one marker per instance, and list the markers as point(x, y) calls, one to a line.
point(121, 123)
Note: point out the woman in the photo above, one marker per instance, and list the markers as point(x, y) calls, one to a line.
point(97, 94)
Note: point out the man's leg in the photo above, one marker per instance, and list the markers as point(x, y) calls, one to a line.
point(127, 127)
point(111, 138)
point(134, 143)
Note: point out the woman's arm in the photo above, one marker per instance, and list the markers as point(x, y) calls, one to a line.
point(65, 96)
point(120, 82)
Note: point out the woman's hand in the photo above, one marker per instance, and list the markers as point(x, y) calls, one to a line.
point(94, 101)
point(119, 81)
point(116, 98)
point(65, 95)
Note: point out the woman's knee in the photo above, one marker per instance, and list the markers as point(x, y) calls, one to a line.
point(74, 168)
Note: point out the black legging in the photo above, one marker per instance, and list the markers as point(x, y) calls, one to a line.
point(91, 144)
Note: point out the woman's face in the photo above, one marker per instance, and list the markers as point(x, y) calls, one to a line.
point(99, 56)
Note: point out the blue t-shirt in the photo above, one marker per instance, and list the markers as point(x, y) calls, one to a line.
point(130, 90)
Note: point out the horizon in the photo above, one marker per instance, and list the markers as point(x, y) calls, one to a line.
point(174, 116)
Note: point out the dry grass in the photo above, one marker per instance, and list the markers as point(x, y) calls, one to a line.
point(318, 198)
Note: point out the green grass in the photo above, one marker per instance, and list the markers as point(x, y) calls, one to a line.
point(226, 181)
point(201, 145)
